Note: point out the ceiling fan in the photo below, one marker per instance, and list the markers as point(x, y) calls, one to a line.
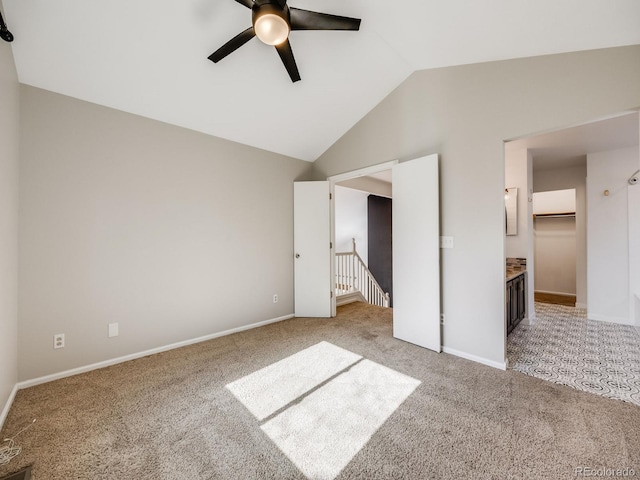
point(5, 34)
point(272, 20)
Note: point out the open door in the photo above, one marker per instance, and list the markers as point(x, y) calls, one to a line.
point(416, 252)
point(312, 249)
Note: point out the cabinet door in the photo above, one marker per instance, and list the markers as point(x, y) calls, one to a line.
point(514, 303)
point(509, 297)
point(522, 298)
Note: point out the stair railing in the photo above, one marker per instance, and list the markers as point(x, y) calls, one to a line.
point(353, 275)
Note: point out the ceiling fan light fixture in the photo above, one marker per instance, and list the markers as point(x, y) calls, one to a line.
point(271, 29)
point(273, 20)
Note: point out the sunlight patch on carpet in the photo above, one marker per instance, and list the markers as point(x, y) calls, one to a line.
point(325, 427)
point(269, 389)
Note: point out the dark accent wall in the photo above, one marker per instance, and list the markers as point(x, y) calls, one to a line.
point(380, 242)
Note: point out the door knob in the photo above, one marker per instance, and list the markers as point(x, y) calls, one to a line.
point(297, 255)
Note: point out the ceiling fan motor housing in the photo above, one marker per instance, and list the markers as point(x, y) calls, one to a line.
point(264, 7)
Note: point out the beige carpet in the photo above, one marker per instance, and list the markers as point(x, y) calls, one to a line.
point(171, 416)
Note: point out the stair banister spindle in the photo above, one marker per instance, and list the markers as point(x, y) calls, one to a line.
point(352, 275)
point(353, 262)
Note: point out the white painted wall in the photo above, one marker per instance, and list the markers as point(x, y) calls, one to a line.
point(516, 168)
point(519, 174)
point(172, 233)
point(465, 113)
point(608, 234)
point(634, 252)
point(9, 140)
point(633, 205)
point(574, 177)
point(351, 213)
point(555, 255)
point(531, 264)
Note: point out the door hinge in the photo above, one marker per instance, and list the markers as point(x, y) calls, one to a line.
point(330, 294)
point(330, 197)
point(330, 245)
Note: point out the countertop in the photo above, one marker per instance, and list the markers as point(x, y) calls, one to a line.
point(514, 272)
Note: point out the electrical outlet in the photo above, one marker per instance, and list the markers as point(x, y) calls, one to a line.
point(275, 298)
point(113, 330)
point(442, 319)
point(58, 340)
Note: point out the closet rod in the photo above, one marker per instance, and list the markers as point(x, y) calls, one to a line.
point(554, 215)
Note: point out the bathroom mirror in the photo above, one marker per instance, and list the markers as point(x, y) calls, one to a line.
point(511, 210)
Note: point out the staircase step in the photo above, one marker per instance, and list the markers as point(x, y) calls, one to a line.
point(350, 297)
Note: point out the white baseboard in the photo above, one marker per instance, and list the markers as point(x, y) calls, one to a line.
point(7, 406)
point(133, 356)
point(475, 358)
point(607, 318)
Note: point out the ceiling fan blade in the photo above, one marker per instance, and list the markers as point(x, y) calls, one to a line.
point(232, 45)
point(286, 55)
point(306, 20)
point(246, 3)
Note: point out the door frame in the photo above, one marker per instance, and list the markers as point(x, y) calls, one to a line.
point(333, 180)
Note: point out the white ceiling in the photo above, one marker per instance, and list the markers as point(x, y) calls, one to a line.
point(384, 176)
point(569, 146)
point(376, 183)
point(149, 57)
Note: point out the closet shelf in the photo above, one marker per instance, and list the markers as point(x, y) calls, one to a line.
point(554, 215)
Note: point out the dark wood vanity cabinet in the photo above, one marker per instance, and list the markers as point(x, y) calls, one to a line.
point(516, 296)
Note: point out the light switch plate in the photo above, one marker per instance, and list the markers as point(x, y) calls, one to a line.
point(446, 242)
point(113, 330)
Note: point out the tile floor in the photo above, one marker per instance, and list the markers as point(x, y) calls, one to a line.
point(565, 347)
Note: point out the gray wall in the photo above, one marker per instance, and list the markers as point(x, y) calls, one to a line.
point(9, 135)
point(465, 113)
point(563, 178)
point(171, 233)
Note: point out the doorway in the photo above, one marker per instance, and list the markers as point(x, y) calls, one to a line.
point(588, 345)
point(363, 233)
point(555, 243)
point(416, 248)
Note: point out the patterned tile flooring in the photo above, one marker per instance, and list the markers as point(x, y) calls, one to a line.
point(564, 347)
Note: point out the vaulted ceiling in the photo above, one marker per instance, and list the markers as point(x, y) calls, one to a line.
point(149, 57)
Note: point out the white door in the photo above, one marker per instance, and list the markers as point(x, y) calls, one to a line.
point(312, 251)
point(416, 252)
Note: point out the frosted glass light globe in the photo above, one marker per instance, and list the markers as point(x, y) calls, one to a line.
point(271, 29)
